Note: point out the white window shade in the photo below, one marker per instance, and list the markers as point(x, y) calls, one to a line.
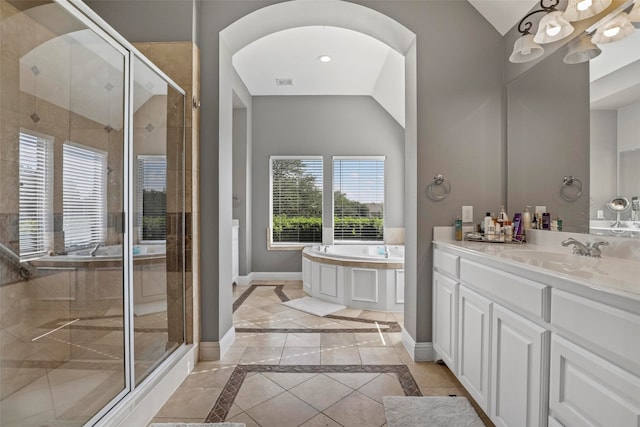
point(358, 199)
point(152, 197)
point(35, 195)
point(84, 195)
point(296, 200)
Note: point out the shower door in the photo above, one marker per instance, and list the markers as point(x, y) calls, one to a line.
point(63, 326)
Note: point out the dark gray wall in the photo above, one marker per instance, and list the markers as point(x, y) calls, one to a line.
point(548, 139)
point(320, 126)
point(149, 20)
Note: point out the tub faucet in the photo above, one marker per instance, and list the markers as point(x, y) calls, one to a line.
point(578, 248)
point(387, 252)
point(95, 249)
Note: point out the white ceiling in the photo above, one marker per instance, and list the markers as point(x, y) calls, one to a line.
point(503, 14)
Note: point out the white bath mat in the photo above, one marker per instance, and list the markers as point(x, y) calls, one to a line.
point(409, 411)
point(314, 306)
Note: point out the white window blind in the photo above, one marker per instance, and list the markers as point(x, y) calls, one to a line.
point(152, 197)
point(35, 194)
point(296, 200)
point(358, 198)
point(83, 195)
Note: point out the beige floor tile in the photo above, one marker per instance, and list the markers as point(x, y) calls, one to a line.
point(255, 390)
point(271, 412)
point(288, 380)
point(353, 381)
point(262, 355)
point(321, 392)
point(443, 391)
point(348, 312)
point(208, 375)
point(429, 374)
point(376, 315)
point(383, 385)
point(337, 339)
point(357, 410)
point(234, 410)
point(300, 356)
point(268, 340)
point(321, 420)
point(367, 339)
point(302, 340)
point(340, 356)
point(190, 402)
point(175, 420)
point(244, 418)
point(379, 356)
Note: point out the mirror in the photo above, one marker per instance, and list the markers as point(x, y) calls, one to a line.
point(615, 138)
point(581, 122)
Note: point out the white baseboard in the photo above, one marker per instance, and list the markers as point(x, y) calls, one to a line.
point(215, 350)
point(140, 406)
point(267, 275)
point(419, 351)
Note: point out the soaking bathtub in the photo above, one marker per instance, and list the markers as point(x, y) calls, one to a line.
point(367, 277)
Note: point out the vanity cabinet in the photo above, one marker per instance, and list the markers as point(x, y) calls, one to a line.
point(474, 344)
point(518, 370)
point(534, 348)
point(445, 297)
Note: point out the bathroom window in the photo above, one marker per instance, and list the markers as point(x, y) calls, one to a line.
point(152, 197)
point(84, 195)
point(358, 199)
point(35, 192)
point(296, 200)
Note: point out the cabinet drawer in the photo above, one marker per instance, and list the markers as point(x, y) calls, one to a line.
point(614, 332)
point(589, 391)
point(516, 292)
point(446, 263)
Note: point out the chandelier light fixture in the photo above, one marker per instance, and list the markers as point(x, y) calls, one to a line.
point(556, 25)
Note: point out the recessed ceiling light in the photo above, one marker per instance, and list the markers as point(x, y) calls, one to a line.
point(324, 58)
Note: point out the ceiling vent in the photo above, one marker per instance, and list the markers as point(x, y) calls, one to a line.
point(284, 82)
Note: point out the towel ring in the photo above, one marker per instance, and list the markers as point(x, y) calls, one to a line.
point(569, 181)
point(439, 181)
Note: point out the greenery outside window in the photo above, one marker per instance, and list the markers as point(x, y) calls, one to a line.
point(152, 198)
point(358, 199)
point(84, 195)
point(35, 210)
point(295, 200)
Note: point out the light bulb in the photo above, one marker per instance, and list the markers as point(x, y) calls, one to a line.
point(584, 5)
point(324, 58)
point(553, 30)
point(610, 32)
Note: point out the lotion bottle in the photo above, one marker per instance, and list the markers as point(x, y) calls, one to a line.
point(489, 228)
point(526, 218)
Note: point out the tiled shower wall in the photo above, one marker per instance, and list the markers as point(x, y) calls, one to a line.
point(181, 62)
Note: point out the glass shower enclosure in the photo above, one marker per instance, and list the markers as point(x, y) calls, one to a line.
point(91, 216)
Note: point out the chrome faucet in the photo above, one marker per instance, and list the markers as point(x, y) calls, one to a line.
point(578, 248)
point(387, 252)
point(590, 249)
point(594, 249)
point(95, 249)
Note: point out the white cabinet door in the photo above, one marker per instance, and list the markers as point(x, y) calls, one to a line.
point(519, 366)
point(474, 345)
point(587, 390)
point(445, 313)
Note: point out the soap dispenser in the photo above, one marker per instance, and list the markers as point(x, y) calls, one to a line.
point(502, 216)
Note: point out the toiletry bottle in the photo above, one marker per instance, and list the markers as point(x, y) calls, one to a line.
point(508, 231)
point(486, 223)
point(518, 227)
point(546, 221)
point(458, 228)
point(635, 208)
point(526, 218)
point(502, 216)
point(559, 221)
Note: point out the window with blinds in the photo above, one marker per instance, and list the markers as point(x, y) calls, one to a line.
point(296, 200)
point(152, 197)
point(35, 206)
point(84, 201)
point(358, 198)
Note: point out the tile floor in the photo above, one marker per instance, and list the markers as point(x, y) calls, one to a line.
point(289, 368)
